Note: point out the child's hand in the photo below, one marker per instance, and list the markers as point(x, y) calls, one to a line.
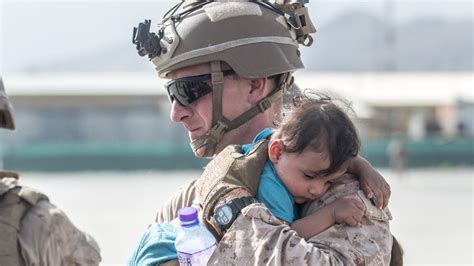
point(374, 185)
point(371, 182)
point(349, 210)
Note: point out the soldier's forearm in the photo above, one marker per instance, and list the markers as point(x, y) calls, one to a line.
point(183, 198)
point(259, 238)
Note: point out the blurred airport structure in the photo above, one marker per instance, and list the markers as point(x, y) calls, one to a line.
point(92, 121)
point(109, 121)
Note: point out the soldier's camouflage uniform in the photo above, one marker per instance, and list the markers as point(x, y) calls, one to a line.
point(259, 238)
point(36, 232)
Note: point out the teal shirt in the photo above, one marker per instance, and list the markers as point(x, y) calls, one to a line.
point(271, 190)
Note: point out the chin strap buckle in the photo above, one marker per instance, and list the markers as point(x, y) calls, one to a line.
point(264, 104)
point(218, 130)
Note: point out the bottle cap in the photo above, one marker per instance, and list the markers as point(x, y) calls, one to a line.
point(188, 216)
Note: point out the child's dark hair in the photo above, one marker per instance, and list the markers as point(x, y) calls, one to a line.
point(316, 122)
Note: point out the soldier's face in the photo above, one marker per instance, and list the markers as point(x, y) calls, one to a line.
point(298, 171)
point(197, 116)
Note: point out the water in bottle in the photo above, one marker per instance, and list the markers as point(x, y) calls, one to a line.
point(194, 243)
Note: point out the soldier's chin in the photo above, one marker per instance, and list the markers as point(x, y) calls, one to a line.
point(200, 152)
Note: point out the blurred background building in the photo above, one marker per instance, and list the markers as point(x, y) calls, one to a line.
point(91, 121)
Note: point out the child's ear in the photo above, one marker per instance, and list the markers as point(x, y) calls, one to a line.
point(275, 148)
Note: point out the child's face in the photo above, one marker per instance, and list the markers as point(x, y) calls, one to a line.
point(297, 172)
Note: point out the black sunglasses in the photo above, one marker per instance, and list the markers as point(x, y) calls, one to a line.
point(187, 90)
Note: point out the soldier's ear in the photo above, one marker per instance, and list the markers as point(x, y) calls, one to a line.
point(257, 90)
point(275, 148)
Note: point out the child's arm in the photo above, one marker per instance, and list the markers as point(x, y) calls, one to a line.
point(371, 181)
point(349, 209)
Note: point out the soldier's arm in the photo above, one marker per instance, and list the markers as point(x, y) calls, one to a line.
point(156, 245)
point(369, 243)
point(258, 238)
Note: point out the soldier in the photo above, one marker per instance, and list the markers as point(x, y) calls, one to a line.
point(228, 63)
point(34, 231)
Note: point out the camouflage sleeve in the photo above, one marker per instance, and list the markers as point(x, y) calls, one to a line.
point(369, 243)
point(48, 237)
point(183, 198)
point(258, 238)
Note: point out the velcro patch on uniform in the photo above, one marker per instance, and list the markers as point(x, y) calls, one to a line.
point(373, 212)
point(223, 10)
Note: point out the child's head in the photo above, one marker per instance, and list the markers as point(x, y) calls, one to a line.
point(314, 143)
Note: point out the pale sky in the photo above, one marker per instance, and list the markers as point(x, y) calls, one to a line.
point(42, 31)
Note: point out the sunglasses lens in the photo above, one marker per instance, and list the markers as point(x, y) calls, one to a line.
point(186, 92)
point(189, 89)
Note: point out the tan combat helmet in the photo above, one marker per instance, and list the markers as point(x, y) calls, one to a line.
point(6, 109)
point(257, 39)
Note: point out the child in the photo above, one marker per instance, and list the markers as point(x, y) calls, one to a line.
point(315, 143)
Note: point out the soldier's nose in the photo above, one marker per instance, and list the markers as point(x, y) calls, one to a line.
point(179, 112)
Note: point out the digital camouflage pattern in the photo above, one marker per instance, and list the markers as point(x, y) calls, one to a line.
point(259, 238)
point(369, 243)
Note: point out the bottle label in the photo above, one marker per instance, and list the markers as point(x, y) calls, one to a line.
point(198, 258)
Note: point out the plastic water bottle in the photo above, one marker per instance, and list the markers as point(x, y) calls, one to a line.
point(194, 243)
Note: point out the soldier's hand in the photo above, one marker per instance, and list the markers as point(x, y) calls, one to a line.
point(349, 210)
point(372, 182)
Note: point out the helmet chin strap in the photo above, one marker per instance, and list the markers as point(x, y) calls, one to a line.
point(220, 124)
point(209, 140)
